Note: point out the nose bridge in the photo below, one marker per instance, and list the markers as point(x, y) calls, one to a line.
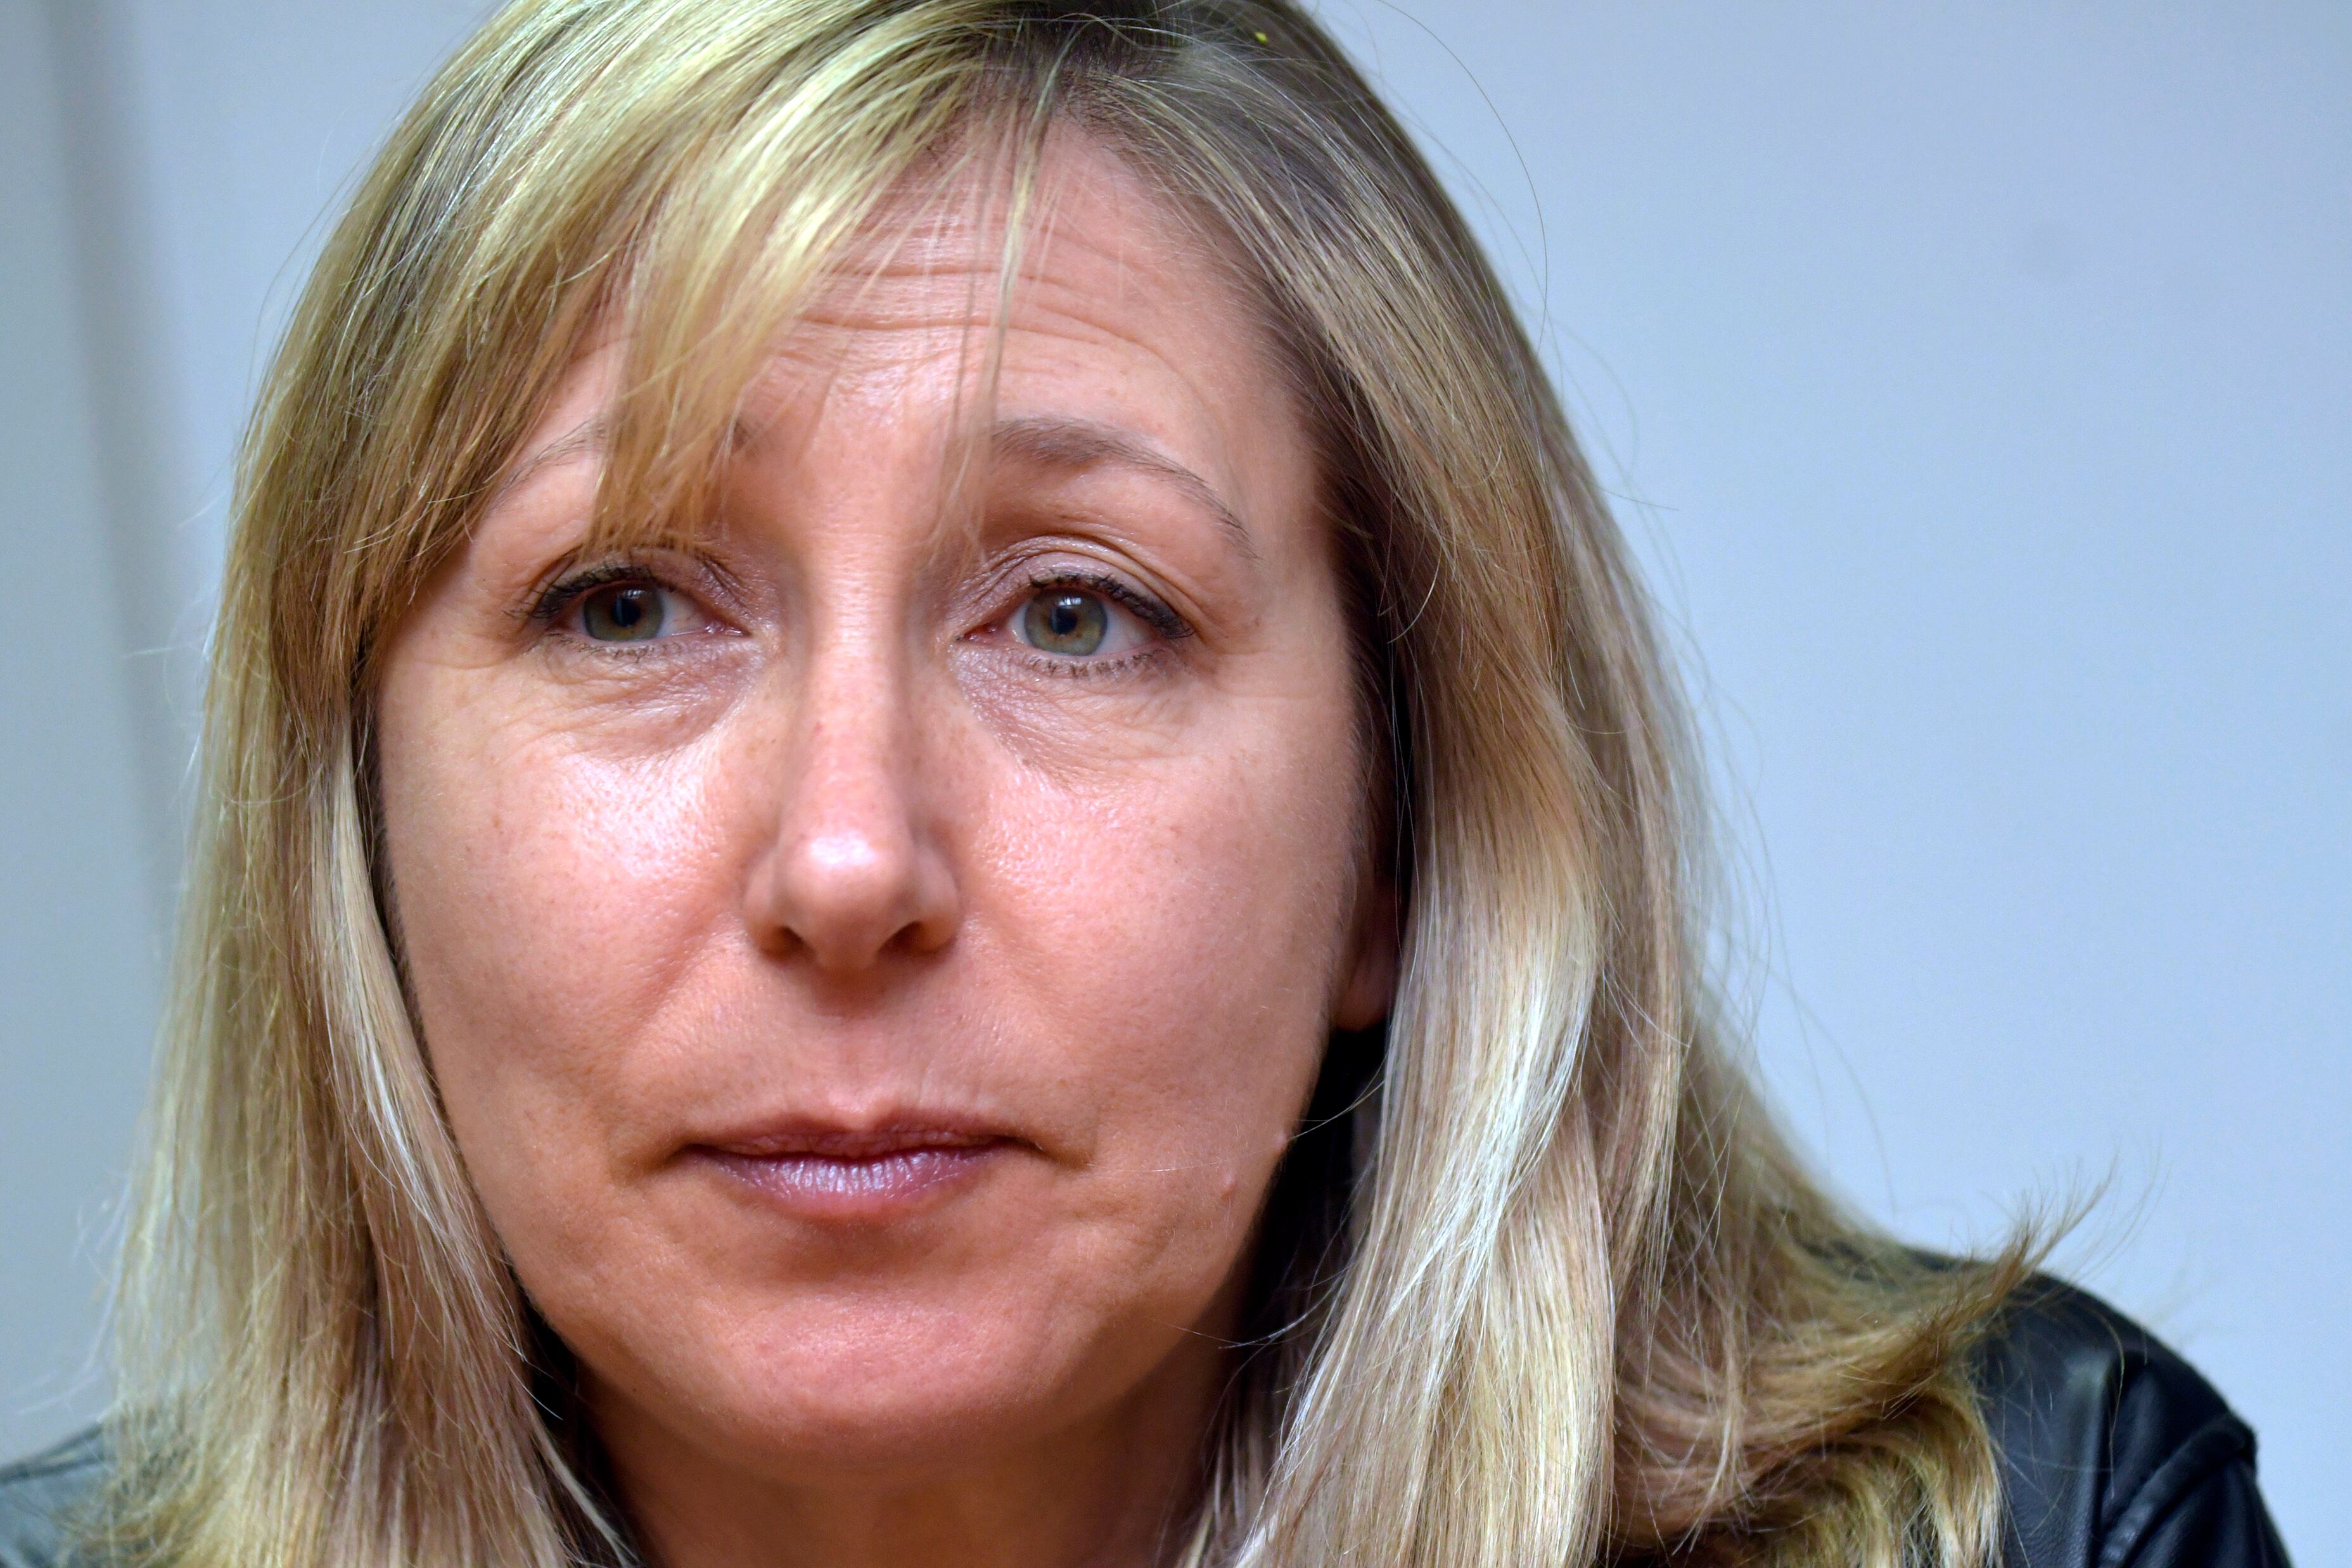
point(854, 866)
point(851, 730)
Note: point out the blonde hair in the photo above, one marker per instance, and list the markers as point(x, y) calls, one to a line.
point(1539, 1284)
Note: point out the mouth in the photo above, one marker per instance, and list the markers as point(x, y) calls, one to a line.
point(842, 1175)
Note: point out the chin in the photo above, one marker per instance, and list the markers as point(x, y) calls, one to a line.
point(890, 1395)
point(796, 1347)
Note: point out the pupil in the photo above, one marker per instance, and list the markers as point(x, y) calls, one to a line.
point(1072, 623)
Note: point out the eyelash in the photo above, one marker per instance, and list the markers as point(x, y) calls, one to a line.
point(560, 595)
point(559, 598)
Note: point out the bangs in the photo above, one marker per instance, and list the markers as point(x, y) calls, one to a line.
point(681, 180)
point(808, 185)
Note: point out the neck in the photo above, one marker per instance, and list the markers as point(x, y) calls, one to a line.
point(1107, 1491)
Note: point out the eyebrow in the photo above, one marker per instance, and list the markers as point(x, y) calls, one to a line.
point(1073, 444)
point(588, 436)
point(1066, 442)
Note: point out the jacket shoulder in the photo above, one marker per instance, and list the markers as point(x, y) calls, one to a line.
point(41, 1497)
point(2115, 1453)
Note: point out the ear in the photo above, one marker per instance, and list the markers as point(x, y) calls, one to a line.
point(1370, 986)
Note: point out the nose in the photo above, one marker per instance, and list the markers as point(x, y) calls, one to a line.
point(855, 868)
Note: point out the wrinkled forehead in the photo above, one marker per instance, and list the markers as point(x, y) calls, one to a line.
point(987, 233)
point(979, 292)
point(1101, 291)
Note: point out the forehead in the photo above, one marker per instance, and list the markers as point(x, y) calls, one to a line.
point(1112, 296)
point(1115, 314)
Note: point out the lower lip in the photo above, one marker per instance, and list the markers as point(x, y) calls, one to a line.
point(869, 1188)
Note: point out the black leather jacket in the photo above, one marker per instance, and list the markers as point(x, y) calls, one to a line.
point(2114, 1454)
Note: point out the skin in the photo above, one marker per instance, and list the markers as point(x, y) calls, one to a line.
point(841, 847)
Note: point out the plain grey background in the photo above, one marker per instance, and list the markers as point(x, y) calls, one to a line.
point(1976, 381)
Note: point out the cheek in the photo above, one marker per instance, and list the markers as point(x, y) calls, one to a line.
point(549, 902)
point(1177, 932)
point(1183, 912)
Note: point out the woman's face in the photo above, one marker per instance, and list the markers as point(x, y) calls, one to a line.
point(874, 959)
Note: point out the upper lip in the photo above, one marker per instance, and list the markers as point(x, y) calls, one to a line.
point(810, 1138)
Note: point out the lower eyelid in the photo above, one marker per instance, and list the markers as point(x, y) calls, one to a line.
point(1059, 665)
point(1086, 669)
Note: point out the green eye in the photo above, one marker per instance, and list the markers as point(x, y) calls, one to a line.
point(1066, 622)
point(623, 613)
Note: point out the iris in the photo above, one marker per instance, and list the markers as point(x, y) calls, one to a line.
point(624, 613)
point(1066, 622)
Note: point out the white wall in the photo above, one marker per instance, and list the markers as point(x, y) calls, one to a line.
point(162, 163)
point(1979, 384)
point(78, 922)
point(1977, 381)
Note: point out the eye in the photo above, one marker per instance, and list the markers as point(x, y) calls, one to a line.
point(1088, 623)
point(624, 612)
point(620, 604)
